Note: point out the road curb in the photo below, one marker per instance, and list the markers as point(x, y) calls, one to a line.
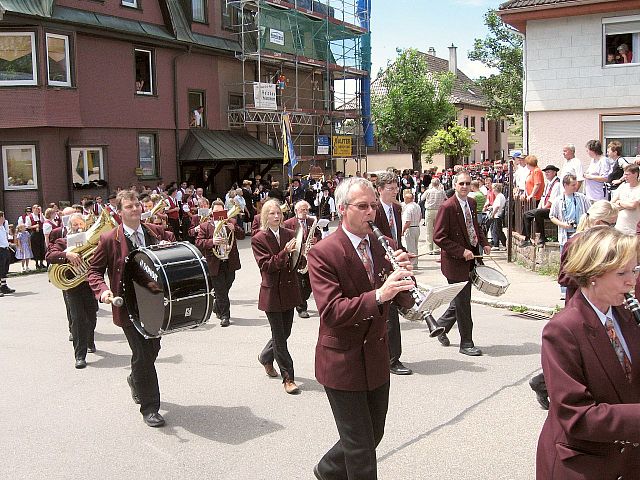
point(510, 305)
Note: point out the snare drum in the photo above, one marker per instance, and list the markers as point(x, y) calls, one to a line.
point(167, 288)
point(489, 280)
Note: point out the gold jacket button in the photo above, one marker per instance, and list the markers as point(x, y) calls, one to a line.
point(356, 325)
point(365, 341)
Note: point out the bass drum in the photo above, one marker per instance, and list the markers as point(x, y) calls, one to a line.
point(167, 288)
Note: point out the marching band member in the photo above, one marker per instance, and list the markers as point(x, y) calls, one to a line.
point(279, 290)
point(34, 223)
point(353, 284)
point(109, 257)
point(113, 209)
point(80, 302)
point(302, 220)
point(326, 208)
point(173, 211)
point(590, 360)
point(222, 270)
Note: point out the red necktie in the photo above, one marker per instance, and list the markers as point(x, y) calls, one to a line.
point(617, 347)
point(366, 261)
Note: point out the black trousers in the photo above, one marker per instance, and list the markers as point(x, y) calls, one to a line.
point(539, 215)
point(38, 247)
point(276, 348)
point(360, 418)
point(393, 331)
point(459, 311)
point(305, 291)
point(497, 234)
point(174, 223)
point(5, 262)
point(222, 283)
point(81, 309)
point(143, 370)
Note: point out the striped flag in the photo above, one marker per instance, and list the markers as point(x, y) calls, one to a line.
point(289, 157)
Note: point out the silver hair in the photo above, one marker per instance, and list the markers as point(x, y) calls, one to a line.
point(344, 189)
point(435, 182)
point(300, 203)
point(571, 147)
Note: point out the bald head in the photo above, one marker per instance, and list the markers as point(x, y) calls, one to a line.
point(68, 211)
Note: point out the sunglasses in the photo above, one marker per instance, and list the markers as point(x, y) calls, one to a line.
point(364, 206)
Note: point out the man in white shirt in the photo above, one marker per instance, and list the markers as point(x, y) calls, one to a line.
point(572, 164)
point(552, 189)
point(627, 199)
point(5, 255)
point(520, 174)
point(411, 217)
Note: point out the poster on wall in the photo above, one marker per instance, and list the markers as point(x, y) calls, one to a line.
point(323, 145)
point(276, 36)
point(264, 95)
point(341, 146)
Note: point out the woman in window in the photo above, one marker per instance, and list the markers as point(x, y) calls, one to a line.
point(625, 53)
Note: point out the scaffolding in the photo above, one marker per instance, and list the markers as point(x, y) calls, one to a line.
point(309, 58)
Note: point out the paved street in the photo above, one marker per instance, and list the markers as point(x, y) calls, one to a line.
point(456, 418)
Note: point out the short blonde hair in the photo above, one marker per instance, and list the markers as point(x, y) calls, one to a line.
point(531, 160)
point(598, 251)
point(600, 210)
point(264, 213)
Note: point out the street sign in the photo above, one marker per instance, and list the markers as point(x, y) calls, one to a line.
point(323, 145)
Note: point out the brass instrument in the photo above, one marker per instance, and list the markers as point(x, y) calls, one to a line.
point(157, 208)
point(64, 275)
point(223, 249)
point(303, 266)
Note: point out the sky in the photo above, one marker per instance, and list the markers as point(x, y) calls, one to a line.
point(422, 24)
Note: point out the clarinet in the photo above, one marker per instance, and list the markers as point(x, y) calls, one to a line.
point(414, 313)
point(631, 303)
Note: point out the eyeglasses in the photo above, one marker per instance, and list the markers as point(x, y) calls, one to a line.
point(364, 206)
point(391, 188)
point(464, 183)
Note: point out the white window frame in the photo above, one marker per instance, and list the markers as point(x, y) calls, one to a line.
point(204, 12)
point(636, 52)
point(155, 154)
point(34, 63)
point(151, 79)
point(67, 56)
point(130, 3)
point(33, 166)
point(86, 166)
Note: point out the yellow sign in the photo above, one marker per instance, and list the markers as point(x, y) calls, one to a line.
point(341, 146)
point(139, 172)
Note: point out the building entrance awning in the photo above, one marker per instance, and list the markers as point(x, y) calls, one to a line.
point(206, 146)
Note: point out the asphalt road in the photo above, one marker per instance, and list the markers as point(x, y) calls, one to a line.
point(457, 417)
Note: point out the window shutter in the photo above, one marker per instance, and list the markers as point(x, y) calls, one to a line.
point(622, 27)
point(621, 129)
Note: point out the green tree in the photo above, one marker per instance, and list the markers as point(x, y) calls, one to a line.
point(455, 142)
point(501, 50)
point(412, 104)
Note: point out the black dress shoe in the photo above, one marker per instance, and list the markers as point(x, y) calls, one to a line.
point(6, 290)
point(91, 348)
point(1, 294)
point(444, 340)
point(471, 351)
point(153, 419)
point(542, 395)
point(134, 395)
point(397, 368)
point(224, 321)
point(81, 363)
point(316, 472)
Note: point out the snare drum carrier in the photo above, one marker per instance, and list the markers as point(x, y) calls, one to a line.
point(166, 288)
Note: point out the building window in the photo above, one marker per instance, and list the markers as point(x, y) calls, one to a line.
point(86, 165)
point(235, 101)
point(501, 126)
point(147, 154)
point(625, 129)
point(58, 62)
point(19, 166)
point(621, 40)
point(18, 58)
point(230, 17)
point(473, 124)
point(482, 124)
point(144, 71)
point(465, 121)
point(197, 117)
point(130, 3)
point(199, 11)
point(483, 155)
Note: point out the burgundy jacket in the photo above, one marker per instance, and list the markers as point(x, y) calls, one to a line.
point(204, 241)
point(279, 289)
point(110, 254)
point(352, 352)
point(450, 234)
point(293, 224)
point(382, 222)
point(593, 406)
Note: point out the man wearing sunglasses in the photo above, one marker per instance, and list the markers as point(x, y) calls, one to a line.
point(460, 238)
point(389, 221)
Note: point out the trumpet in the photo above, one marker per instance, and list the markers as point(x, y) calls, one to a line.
point(415, 313)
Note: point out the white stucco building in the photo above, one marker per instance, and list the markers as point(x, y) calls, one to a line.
point(574, 89)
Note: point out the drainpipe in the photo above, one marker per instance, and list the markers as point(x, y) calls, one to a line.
point(175, 112)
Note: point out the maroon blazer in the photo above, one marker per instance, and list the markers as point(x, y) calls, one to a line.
point(593, 406)
point(204, 241)
point(255, 225)
point(382, 222)
point(110, 254)
point(450, 234)
point(56, 250)
point(57, 233)
point(279, 289)
point(293, 224)
point(352, 352)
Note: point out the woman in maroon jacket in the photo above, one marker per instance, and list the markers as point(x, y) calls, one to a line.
point(591, 363)
point(279, 290)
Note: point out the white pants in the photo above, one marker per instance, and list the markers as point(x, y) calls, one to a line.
point(411, 237)
point(430, 219)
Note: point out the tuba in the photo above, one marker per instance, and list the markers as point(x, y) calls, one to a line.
point(304, 266)
point(65, 276)
point(220, 231)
